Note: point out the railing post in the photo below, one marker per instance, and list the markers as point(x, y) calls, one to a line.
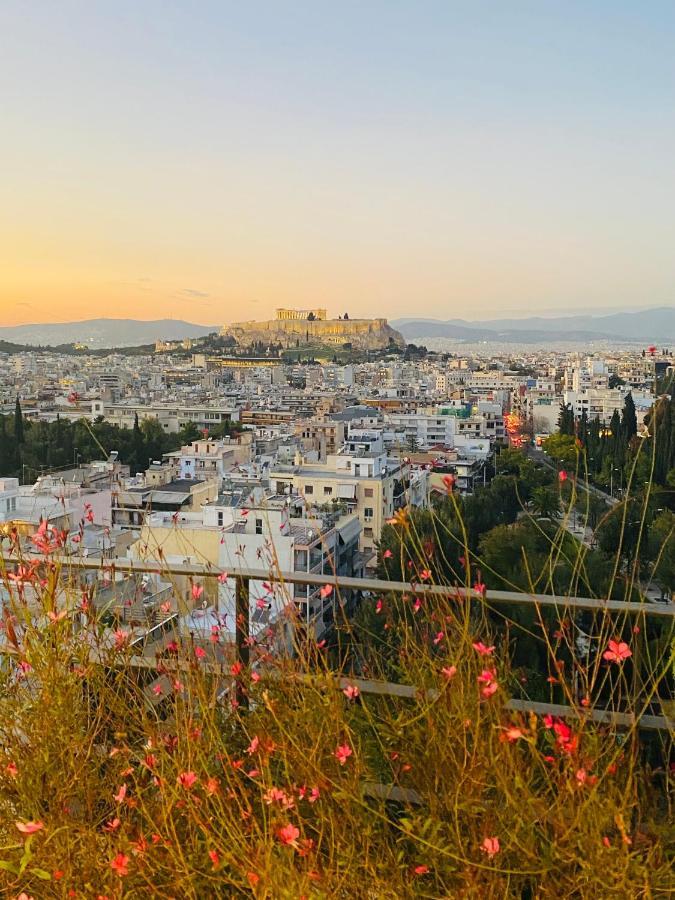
point(242, 647)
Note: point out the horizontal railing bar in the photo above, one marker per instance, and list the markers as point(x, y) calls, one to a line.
point(378, 586)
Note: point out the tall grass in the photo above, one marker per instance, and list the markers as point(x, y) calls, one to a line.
point(268, 791)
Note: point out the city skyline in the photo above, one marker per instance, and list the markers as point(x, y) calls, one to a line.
point(212, 164)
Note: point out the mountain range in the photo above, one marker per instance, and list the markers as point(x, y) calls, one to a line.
point(102, 333)
point(649, 325)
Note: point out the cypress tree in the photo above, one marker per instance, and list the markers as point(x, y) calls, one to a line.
point(18, 423)
point(628, 419)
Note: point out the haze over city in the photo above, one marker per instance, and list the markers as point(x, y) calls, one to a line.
point(450, 160)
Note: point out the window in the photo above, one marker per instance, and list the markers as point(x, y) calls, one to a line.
point(327, 491)
point(220, 518)
point(309, 489)
point(258, 526)
point(368, 512)
point(367, 532)
point(368, 492)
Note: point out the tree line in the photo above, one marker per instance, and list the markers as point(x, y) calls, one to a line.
point(29, 448)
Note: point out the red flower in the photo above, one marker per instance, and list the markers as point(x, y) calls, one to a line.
point(326, 591)
point(288, 835)
point(215, 859)
point(480, 648)
point(449, 482)
point(29, 827)
point(562, 475)
point(186, 780)
point(421, 870)
point(120, 864)
point(351, 692)
point(490, 846)
point(343, 752)
point(617, 651)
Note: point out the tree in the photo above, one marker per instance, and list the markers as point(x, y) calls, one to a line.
point(662, 549)
point(563, 449)
point(546, 502)
point(628, 419)
point(18, 424)
point(566, 419)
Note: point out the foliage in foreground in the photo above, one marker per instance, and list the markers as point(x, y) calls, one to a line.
point(265, 793)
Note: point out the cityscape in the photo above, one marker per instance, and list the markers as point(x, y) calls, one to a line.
point(347, 571)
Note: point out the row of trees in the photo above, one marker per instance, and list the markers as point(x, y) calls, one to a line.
point(29, 448)
point(616, 455)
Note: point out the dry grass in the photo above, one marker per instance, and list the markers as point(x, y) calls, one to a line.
point(199, 799)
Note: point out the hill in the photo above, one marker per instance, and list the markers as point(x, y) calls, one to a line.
point(104, 333)
point(652, 325)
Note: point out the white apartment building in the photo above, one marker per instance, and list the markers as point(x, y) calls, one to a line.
point(261, 530)
point(211, 458)
point(603, 402)
point(172, 417)
point(360, 478)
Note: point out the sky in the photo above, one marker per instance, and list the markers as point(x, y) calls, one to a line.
point(212, 161)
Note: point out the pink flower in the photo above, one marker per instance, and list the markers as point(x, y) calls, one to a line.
point(439, 637)
point(157, 690)
point(480, 648)
point(351, 692)
point(449, 671)
point(222, 578)
point(617, 651)
point(200, 653)
point(487, 678)
point(215, 859)
point(421, 870)
point(343, 752)
point(490, 846)
point(511, 734)
point(166, 606)
point(253, 746)
point(120, 864)
point(449, 482)
point(425, 575)
point(121, 638)
point(121, 794)
point(186, 780)
point(29, 827)
point(288, 835)
point(197, 591)
point(378, 606)
point(581, 775)
point(326, 591)
point(479, 588)
point(562, 476)
point(387, 554)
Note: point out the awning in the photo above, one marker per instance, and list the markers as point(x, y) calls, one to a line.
point(350, 530)
point(346, 491)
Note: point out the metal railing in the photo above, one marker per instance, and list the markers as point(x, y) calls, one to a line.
point(243, 576)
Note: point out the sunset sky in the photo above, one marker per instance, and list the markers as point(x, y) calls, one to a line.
point(213, 160)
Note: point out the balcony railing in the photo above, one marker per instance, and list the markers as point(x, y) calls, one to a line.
point(489, 598)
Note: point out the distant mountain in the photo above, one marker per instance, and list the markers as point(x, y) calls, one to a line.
point(650, 325)
point(100, 333)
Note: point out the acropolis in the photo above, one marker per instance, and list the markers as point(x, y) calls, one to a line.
point(303, 327)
